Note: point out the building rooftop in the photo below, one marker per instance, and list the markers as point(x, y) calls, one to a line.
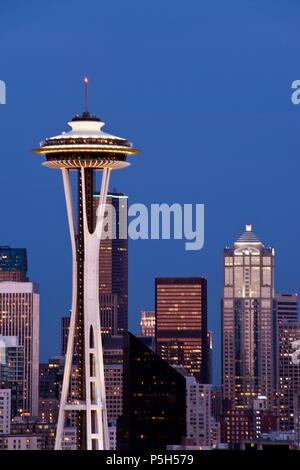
point(248, 237)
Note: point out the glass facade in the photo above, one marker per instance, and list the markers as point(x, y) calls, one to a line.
point(288, 373)
point(19, 316)
point(154, 400)
point(181, 324)
point(12, 372)
point(13, 264)
point(113, 263)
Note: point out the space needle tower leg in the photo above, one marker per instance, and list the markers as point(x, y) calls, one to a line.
point(96, 415)
point(71, 335)
point(95, 403)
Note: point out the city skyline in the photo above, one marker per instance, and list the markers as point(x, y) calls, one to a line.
point(250, 111)
point(154, 308)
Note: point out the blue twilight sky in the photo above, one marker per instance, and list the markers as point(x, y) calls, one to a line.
point(202, 87)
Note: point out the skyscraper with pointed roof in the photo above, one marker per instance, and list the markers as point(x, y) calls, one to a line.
point(247, 320)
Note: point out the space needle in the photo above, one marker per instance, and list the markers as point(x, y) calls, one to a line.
point(85, 149)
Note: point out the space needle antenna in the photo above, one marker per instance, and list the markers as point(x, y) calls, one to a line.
point(86, 95)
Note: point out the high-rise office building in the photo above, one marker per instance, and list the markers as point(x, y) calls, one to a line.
point(297, 419)
point(12, 371)
point(113, 373)
point(109, 312)
point(112, 430)
point(19, 316)
point(5, 410)
point(113, 264)
point(216, 402)
point(64, 331)
point(247, 320)
point(112, 349)
point(154, 400)
point(286, 306)
point(199, 419)
point(285, 309)
point(181, 323)
point(13, 264)
point(51, 377)
point(147, 323)
point(288, 372)
point(209, 355)
point(198, 412)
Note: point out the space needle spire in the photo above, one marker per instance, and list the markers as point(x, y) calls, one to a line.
point(85, 150)
point(86, 108)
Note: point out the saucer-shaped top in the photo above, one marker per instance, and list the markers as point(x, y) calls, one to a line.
point(86, 145)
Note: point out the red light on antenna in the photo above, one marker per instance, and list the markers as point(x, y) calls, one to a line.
point(85, 80)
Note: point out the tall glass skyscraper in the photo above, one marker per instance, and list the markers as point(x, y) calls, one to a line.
point(154, 400)
point(19, 316)
point(288, 372)
point(12, 372)
point(113, 264)
point(13, 264)
point(247, 320)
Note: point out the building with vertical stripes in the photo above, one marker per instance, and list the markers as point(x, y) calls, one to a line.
point(181, 323)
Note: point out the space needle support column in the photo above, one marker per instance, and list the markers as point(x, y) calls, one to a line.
point(71, 335)
point(96, 414)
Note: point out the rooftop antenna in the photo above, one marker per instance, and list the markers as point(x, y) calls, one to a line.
point(86, 96)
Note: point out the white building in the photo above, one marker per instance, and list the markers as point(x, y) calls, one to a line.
point(19, 316)
point(20, 442)
point(147, 323)
point(198, 412)
point(5, 411)
point(112, 432)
